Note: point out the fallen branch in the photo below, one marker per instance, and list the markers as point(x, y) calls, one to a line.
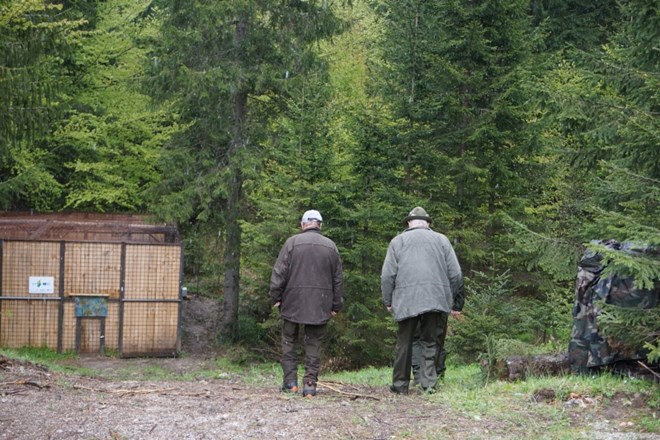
point(124, 392)
point(25, 382)
point(514, 368)
point(352, 395)
point(346, 385)
point(9, 393)
point(657, 376)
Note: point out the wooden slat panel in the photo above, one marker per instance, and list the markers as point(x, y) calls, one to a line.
point(90, 336)
point(152, 272)
point(69, 327)
point(150, 328)
point(28, 324)
point(92, 268)
point(112, 327)
point(22, 260)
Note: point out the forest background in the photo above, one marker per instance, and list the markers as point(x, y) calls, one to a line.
point(526, 128)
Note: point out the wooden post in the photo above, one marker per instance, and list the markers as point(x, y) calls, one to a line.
point(60, 293)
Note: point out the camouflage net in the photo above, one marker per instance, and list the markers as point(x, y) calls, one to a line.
point(588, 348)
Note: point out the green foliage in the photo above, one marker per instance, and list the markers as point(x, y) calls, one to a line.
point(566, 23)
point(633, 327)
point(29, 180)
point(84, 137)
point(36, 42)
point(365, 335)
point(642, 267)
point(232, 68)
point(452, 73)
point(503, 348)
point(202, 64)
point(114, 134)
point(653, 350)
point(600, 108)
point(493, 313)
point(550, 254)
point(597, 105)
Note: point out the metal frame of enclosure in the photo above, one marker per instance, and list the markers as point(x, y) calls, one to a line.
point(90, 283)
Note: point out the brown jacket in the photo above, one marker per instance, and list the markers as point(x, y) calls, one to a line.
point(307, 279)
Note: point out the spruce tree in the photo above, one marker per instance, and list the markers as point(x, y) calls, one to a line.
point(451, 71)
point(225, 64)
point(37, 39)
point(568, 23)
point(110, 139)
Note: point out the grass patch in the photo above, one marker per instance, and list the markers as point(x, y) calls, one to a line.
point(649, 424)
point(48, 358)
point(42, 356)
point(515, 404)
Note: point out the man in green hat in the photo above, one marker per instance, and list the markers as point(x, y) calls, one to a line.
point(420, 278)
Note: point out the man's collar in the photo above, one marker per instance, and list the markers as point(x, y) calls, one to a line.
point(417, 227)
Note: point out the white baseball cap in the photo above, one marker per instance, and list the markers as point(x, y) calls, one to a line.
point(311, 215)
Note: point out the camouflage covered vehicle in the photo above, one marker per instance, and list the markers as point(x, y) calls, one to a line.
point(588, 348)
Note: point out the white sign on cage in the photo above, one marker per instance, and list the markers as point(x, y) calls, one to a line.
point(42, 285)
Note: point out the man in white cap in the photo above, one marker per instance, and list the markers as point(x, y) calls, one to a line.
point(419, 281)
point(307, 285)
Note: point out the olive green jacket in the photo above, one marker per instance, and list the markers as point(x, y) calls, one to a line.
point(421, 274)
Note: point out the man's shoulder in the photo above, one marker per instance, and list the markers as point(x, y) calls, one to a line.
point(416, 232)
point(312, 236)
point(323, 239)
point(425, 234)
point(439, 235)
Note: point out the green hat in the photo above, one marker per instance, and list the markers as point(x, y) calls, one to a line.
point(418, 213)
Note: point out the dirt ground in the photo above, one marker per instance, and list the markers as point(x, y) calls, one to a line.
point(36, 403)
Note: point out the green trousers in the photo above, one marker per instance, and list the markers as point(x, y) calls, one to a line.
point(312, 339)
point(428, 328)
point(440, 352)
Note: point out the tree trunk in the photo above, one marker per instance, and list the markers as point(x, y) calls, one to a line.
point(232, 255)
point(520, 367)
point(232, 258)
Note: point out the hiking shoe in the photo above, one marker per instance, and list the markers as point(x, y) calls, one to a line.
point(309, 390)
point(397, 390)
point(291, 387)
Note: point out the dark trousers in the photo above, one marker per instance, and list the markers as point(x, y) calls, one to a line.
point(428, 323)
point(313, 337)
point(440, 352)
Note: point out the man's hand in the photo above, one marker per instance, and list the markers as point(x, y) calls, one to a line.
point(389, 309)
point(276, 305)
point(457, 314)
point(333, 313)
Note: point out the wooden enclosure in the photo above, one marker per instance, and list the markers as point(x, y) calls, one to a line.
point(90, 283)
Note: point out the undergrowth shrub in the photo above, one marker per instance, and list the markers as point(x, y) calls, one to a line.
point(494, 313)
